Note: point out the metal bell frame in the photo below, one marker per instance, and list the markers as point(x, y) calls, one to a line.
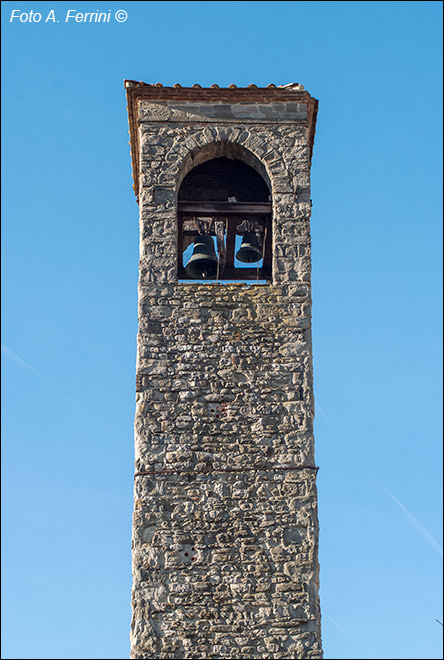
point(230, 220)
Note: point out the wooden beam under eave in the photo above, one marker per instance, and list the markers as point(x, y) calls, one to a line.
point(225, 208)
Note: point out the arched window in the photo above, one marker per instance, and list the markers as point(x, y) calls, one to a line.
point(224, 222)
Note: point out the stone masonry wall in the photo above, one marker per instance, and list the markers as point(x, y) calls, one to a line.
point(225, 533)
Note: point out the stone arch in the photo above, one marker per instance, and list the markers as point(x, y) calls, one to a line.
point(253, 149)
point(230, 150)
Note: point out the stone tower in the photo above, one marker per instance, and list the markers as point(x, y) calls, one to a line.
point(225, 531)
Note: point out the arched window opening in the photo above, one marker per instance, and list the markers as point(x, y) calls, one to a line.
point(224, 223)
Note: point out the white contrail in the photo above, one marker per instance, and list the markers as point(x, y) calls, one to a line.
point(410, 517)
point(18, 360)
point(419, 526)
point(345, 631)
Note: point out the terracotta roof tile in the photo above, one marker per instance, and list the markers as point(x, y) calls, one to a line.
point(288, 86)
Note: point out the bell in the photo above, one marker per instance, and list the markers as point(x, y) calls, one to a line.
point(249, 251)
point(203, 261)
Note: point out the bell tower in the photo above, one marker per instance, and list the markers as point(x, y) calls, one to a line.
point(225, 527)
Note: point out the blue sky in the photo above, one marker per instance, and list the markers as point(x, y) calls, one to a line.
point(69, 287)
